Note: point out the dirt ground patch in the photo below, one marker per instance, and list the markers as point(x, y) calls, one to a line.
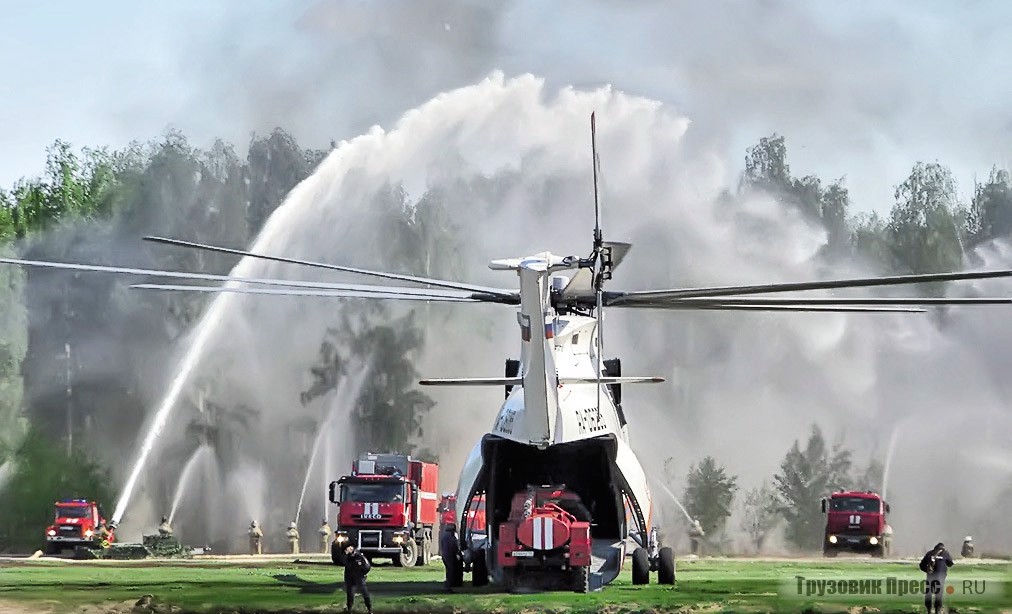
point(12, 607)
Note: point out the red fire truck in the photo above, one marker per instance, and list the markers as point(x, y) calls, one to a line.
point(856, 522)
point(77, 522)
point(387, 509)
point(476, 514)
point(548, 529)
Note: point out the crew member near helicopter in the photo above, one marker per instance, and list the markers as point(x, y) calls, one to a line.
point(449, 551)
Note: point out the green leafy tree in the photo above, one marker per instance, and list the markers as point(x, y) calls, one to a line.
point(709, 493)
point(43, 474)
point(275, 164)
point(925, 233)
point(871, 477)
point(835, 206)
point(760, 513)
point(870, 238)
point(766, 169)
point(806, 476)
point(766, 165)
point(990, 215)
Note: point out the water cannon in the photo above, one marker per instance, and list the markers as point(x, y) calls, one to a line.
point(112, 525)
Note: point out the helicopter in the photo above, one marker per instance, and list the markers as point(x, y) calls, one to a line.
point(562, 429)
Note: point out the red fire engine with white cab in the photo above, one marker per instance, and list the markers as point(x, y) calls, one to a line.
point(387, 509)
point(77, 522)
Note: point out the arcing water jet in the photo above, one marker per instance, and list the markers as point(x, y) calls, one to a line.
point(889, 461)
point(185, 477)
point(668, 492)
point(344, 399)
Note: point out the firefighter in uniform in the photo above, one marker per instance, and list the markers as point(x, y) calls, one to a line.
point(164, 529)
point(293, 537)
point(967, 549)
point(356, 568)
point(449, 550)
point(696, 534)
point(256, 536)
point(325, 534)
point(104, 535)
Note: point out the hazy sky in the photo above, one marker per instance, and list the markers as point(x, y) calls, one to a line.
point(861, 89)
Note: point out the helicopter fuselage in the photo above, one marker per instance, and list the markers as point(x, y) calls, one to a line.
point(559, 426)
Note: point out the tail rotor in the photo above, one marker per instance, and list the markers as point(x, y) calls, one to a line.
point(600, 260)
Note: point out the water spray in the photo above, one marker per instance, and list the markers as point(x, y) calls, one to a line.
point(344, 397)
point(184, 477)
point(677, 502)
point(889, 461)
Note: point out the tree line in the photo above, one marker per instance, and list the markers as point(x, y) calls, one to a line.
point(808, 473)
point(71, 346)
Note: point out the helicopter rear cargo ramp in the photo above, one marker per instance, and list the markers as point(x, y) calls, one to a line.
point(605, 562)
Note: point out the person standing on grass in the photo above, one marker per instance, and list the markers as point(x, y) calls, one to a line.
point(449, 550)
point(935, 564)
point(356, 568)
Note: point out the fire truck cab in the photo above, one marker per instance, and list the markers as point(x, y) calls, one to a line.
point(387, 509)
point(77, 522)
point(856, 522)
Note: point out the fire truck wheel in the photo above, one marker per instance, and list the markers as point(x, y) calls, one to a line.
point(640, 566)
point(581, 579)
point(666, 566)
point(879, 551)
point(409, 554)
point(479, 569)
point(52, 549)
point(829, 552)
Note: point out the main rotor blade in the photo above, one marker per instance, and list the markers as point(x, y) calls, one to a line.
point(617, 298)
point(873, 301)
point(720, 306)
point(94, 268)
point(440, 283)
point(449, 298)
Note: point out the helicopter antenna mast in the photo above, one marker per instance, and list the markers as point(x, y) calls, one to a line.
point(599, 258)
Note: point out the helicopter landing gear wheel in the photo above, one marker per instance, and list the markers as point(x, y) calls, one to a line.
point(666, 566)
point(479, 569)
point(640, 567)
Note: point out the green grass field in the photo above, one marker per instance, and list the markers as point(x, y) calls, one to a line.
point(707, 585)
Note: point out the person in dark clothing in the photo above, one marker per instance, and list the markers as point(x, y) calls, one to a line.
point(449, 550)
point(356, 567)
point(935, 564)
